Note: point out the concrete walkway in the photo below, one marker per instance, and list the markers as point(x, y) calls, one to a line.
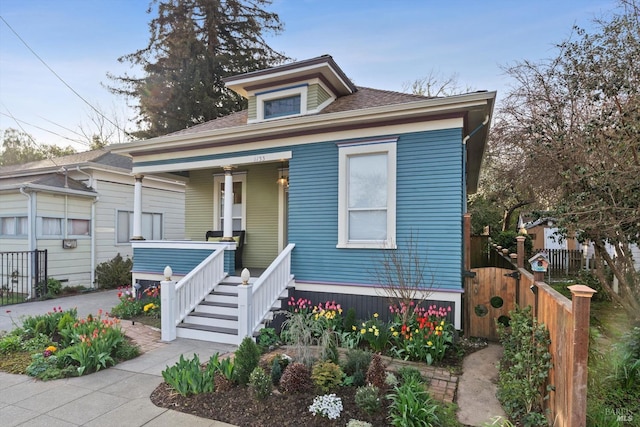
point(118, 396)
point(477, 401)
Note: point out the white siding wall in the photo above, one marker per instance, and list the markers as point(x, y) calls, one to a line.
point(13, 205)
point(116, 196)
point(71, 266)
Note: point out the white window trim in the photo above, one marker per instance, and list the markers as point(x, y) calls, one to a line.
point(219, 179)
point(370, 147)
point(130, 213)
point(15, 234)
point(77, 236)
point(39, 226)
point(277, 94)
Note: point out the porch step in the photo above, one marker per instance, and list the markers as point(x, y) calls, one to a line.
point(207, 333)
point(215, 319)
point(212, 319)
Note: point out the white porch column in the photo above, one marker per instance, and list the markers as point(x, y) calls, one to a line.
point(228, 205)
point(137, 209)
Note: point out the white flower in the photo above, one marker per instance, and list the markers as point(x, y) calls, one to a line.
point(328, 405)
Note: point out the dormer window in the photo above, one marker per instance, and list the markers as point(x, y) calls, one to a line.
point(279, 103)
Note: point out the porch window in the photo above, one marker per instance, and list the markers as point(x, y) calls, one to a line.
point(13, 226)
point(239, 202)
point(152, 226)
point(367, 195)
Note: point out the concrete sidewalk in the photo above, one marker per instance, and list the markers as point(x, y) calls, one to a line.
point(118, 396)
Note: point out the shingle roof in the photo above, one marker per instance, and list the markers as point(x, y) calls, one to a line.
point(53, 180)
point(102, 157)
point(363, 98)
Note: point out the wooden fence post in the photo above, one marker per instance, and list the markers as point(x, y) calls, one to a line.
point(581, 306)
point(520, 246)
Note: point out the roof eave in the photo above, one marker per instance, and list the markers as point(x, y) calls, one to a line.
point(461, 103)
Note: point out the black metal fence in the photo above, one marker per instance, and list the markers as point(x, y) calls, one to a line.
point(23, 276)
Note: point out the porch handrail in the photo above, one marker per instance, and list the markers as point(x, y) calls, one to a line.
point(259, 297)
point(179, 299)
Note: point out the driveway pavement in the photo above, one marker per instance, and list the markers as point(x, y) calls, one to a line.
point(118, 396)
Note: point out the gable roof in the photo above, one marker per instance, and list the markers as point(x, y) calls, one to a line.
point(53, 182)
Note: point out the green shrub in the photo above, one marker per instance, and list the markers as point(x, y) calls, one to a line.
point(356, 365)
point(524, 367)
point(277, 366)
point(260, 383)
point(246, 360)
point(10, 344)
point(326, 376)
point(114, 273)
point(507, 239)
point(267, 338)
point(296, 378)
point(38, 343)
point(368, 399)
point(66, 320)
point(187, 377)
point(411, 406)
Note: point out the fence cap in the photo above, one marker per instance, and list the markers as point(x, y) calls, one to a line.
point(581, 291)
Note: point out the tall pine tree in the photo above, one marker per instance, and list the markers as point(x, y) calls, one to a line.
point(194, 44)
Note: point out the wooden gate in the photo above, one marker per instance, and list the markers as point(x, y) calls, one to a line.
point(489, 296)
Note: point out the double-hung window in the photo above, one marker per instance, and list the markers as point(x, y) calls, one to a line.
point(49, 227)
point(367, 194)
point(152, 226)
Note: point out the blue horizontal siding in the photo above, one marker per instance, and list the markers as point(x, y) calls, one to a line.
point(428, 207)
point(181, 261)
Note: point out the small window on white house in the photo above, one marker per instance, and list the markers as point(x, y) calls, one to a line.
point(367, 195)
point(284, 102)
point(78, 227)
point(50, 227)
point(13, 226)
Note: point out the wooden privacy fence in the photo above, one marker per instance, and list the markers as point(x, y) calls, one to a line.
point(567, 262)
point(568, 324)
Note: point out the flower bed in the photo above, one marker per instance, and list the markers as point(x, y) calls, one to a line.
point(59, 345)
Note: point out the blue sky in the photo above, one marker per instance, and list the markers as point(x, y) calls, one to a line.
point(378, 43)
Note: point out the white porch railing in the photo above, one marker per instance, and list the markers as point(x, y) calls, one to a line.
point(256, 300)
point(177, 300)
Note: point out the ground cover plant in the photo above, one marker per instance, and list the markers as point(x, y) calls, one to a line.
point(330, 376)
point(58, 344)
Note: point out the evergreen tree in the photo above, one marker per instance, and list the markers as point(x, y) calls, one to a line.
point(194, 44)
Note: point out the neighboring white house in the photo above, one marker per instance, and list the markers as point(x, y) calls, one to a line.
point(79, 208)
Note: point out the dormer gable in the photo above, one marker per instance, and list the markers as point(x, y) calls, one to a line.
point(295, 89)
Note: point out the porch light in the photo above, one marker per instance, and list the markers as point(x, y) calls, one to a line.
point(283, 180)
point(245, 276)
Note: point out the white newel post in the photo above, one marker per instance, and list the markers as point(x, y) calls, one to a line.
point(228, 205)
point(245, 297)
point(168, 306)
point(137, 209)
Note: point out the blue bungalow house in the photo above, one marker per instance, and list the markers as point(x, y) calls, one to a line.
point(326, 177)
